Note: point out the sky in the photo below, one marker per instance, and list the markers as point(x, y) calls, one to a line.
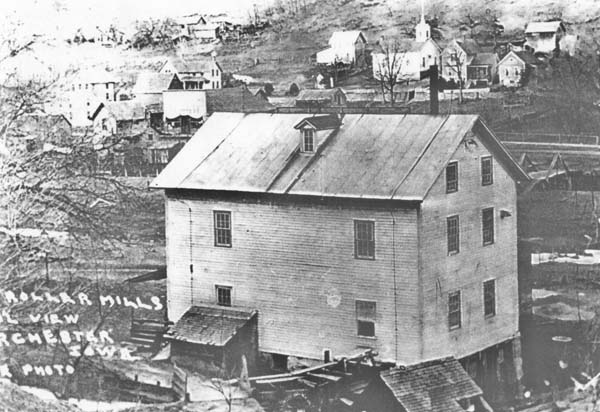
point(47, 16)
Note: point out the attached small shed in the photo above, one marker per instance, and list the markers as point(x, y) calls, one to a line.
point(438, 385)
point(215, 334)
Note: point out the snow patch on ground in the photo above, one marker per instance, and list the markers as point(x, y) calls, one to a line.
point(590, 257)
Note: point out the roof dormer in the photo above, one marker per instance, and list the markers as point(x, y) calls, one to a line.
point(312, 131)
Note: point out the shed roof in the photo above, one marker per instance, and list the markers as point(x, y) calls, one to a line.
point(235, 99)
point(485, 59)
point(393, 157)
point(191, 19)
point(431, 386)
point(470, 46)
point(316, 94)
point(350, 37)
point(152, 82)
point(126, 110)
point(193, 65)
point(544, 26)
point(209, 325)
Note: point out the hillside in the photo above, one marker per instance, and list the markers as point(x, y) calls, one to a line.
point(283, 51)
point(14, 399)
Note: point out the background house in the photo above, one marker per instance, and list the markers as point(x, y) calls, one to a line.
point(346, 47)
point(321, 98)
point(149, 86)
point(368, 211)
point(35, 130)
point(86, 91)
point(544, 37)
point(482, 71)
point(186, 110)
point(196, 73)
point(122, 118)
point(456, 57)
point(514, 68)
point(410, 58)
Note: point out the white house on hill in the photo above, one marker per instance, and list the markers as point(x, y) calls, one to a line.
point(195, 73)
point(544, 37)
point(408, 62)
point(345, 47)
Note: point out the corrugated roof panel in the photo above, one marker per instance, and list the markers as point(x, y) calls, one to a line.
point(206, 139)
point(251, 156)
point(369, 156)
point(433, 161)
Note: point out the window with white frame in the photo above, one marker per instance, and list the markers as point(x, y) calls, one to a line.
point(452, 177)
point(487, 171)
point(308, 140)
point(453, 233)
point(487, 225)
point(366, 316)
point(454, 310)
point(489, 298)
point(223, 295)
point(222, 222)
point(364, 239)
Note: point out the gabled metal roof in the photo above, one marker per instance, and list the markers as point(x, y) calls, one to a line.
point(369, 156)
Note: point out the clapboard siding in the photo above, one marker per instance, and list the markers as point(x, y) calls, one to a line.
point(295, 264)
point(475, 263)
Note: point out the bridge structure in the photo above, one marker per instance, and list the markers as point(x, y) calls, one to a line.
point(556, 161)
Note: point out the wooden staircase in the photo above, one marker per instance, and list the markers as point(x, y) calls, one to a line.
point(147, 334)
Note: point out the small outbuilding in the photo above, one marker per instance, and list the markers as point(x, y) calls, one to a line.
point(215, 334)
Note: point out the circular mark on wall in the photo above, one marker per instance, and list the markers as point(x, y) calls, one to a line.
point(333, 298)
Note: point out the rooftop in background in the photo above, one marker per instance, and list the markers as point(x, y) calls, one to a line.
point(485, 59)
point(126, 110)
point(431, 386)
point(193, 65)
point(210, 325)
point(235, 99)
point(544, 26)
point(152, 83)
point(350, 37)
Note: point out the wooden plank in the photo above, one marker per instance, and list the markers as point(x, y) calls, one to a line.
point(276, 380)
point(325, 376)
point(270, 378)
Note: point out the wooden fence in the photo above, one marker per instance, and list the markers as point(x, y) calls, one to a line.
point(582, 139)
point(344, 110)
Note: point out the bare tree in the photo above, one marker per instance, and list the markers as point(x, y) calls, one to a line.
point(155, 33)
point(456, 63)
point(389, 66)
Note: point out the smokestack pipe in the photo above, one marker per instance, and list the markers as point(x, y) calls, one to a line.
point(434, 105)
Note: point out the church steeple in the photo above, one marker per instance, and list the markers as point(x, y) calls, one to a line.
point(423, 30)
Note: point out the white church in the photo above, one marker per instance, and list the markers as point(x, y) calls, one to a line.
point(408, 59)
